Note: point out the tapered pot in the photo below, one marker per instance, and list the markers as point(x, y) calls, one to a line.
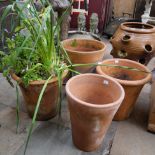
point(93, 101)
point(48, 106)
point(135, 41)
point(132, 82)
point(84, 51)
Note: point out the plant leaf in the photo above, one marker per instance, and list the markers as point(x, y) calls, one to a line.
point(35, 114)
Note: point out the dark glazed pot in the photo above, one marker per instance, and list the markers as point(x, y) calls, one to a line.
point(93, 101)
point(132, 82)
point(48, 106)
point(135, 41)
point(84, 51)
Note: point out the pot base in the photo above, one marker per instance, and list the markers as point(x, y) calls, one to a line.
point(87, 149)
point(43, 117)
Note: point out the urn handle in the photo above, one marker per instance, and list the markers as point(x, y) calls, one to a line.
point(126, 38)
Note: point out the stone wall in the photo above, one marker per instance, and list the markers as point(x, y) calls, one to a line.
point(123, 6)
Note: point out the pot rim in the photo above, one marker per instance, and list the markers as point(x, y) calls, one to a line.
point(37, 82)
point(127, 82)
point(118, 101)
point(74, 51)
point(126, 28)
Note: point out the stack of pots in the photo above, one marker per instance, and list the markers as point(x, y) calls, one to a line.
point(135, 41)
point(95, 100)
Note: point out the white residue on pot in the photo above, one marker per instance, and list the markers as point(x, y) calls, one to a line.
point(97, 125)
point(105, 82)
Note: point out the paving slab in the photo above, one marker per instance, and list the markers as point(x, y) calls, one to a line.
point(10, 141)
point(8, 94)
point(131, 137)
point(2, 106)
point(54, 138)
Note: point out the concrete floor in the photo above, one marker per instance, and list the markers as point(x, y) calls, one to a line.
point(128, 137)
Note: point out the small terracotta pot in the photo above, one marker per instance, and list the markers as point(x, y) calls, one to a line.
point(48, 106)
point(84, 51)
point(93, 101)
point(132, 82)
point(135, 41)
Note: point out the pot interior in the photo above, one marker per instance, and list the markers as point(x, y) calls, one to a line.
point(122, 73)
point(138, 25)
point(82, 45)
point(94, 89)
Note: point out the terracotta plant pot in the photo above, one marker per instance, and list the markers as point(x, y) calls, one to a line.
point(84, 51)
point(93, 101)
point(132, 82)
point(135, 41)
point(48, 106)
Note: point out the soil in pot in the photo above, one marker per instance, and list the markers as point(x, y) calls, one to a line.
point(84, 51)
point(93, 101)
point(48, 107)
point(122, 76)
point(132, 82)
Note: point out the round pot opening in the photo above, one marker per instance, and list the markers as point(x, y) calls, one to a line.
point(94, 90)
point(148, 48)
point(83, 45)
point(126, 38)
point(124, 74)
point(138, 25)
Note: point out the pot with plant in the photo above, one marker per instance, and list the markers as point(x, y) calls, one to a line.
point(84, 51)
point(131, 75)
point(93, 101)
point(34, 60)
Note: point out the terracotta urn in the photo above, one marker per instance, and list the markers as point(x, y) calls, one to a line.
point(84, 51)
point(48, 106)
point(93, 101)
point(135, 41)
point(131, 80)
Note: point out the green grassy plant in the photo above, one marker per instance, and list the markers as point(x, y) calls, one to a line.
point(34, 50)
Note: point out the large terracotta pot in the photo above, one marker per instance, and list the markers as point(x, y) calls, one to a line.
point(84, 51)
point(93, 101)
point(48, 106)
point(132, 82)
point(135, 41)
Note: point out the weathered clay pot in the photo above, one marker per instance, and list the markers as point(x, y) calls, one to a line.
point(93, 101)
point(135, 41)
point(151, 120)
point(84, 51)
point(48, 106)
point(132, 82)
